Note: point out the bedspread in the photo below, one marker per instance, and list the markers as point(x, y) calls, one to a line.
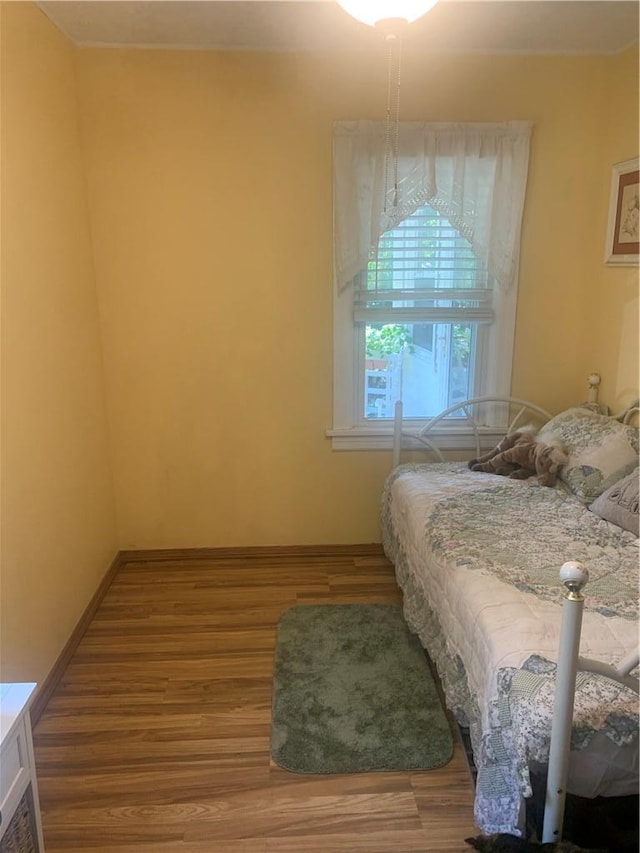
point(477, 557)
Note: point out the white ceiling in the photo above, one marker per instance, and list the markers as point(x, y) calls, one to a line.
point(513, 26)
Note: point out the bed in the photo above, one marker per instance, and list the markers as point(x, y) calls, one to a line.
point(477, 557)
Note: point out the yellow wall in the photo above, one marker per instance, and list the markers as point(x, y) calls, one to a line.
point(57, 520)
point(210, 190)
point(614, 298)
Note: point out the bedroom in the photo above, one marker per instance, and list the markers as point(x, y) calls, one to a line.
point(142, 407)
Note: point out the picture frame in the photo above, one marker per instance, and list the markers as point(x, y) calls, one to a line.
point(623, 227)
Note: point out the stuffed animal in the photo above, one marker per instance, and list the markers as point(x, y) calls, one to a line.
point(522, 455)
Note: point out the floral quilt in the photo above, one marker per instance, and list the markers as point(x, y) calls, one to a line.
point(478, 557)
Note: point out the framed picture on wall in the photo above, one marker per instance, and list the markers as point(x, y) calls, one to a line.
point(623, 229)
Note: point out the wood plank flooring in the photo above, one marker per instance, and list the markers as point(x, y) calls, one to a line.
point(156, 740)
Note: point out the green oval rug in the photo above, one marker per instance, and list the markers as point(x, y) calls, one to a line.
point(352, 691)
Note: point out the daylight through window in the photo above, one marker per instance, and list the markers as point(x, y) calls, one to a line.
point(425, 289)
point(420, 311)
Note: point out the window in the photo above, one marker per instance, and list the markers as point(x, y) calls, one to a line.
point(421, 312)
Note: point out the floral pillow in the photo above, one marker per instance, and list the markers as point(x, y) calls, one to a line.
point(601, 450)
point(620, 504)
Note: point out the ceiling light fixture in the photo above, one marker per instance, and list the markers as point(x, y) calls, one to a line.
point(375, 12)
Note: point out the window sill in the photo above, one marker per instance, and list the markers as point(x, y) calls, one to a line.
point(381, 438)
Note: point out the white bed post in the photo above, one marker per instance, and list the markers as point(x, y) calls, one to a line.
point(397, 432)
point(594, 381)
point(574, 577)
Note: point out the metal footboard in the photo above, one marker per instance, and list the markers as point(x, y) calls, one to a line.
point(574, 577)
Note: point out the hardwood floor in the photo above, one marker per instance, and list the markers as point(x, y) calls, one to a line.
point(156, 740)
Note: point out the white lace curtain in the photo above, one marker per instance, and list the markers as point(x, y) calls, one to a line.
point(474, 174)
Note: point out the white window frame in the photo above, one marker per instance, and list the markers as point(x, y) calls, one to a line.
point(349, 432)
point(428, 156)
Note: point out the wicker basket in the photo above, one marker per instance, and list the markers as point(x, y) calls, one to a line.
point(20, 835)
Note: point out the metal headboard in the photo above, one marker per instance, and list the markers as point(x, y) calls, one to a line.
point(470, 410)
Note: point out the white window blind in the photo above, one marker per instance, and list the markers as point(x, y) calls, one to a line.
point(424, 271)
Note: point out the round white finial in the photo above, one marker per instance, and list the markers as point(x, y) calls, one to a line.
point(594, 381)
point(574, 576)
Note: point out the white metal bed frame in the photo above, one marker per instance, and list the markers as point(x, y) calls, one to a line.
point(422, 436)
point(572, 575)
